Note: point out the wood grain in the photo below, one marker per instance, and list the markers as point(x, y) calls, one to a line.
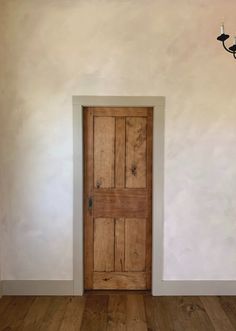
point(15, 313)
point(120, 111)
point(217, 314)
point(136, 318)
point(135, 244)
point(118, 312)
point(176, 313)
point(120, 152)
point(152, 314)
point(55, 314)
point(4, 302)
point(104, 244)
point(120, 280)
point(104, 157)
point(95, 313)
point(120, 203)
point(72, 319)
point(229, 306)
point(37, 313)
point(119, 244)
point(118, 183)
point(136, 158)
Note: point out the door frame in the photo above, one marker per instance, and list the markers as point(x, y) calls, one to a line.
point(158, 105)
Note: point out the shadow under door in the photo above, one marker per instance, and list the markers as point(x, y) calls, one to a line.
point(117, 197)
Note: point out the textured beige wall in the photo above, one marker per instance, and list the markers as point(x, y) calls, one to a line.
point(53, 49)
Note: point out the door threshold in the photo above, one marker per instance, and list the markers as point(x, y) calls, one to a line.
point(117, 292)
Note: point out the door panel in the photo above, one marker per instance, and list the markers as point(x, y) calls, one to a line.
point(103, 244)
point(117, 198)
point(104, 138)
point(136, 158)
point(135, 244)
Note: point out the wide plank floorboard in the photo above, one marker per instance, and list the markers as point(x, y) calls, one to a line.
point(4, 302)
point(118, 311)
point(72, 319)
point(36, 314)
point(186, 313)
point(116, 319)
point(54, 315)
point(15, 313)
point(95, 313)
point(229, 306)
point(136, 317)
point(217, 314)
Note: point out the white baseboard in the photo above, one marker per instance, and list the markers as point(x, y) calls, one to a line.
point(165, 287)
point(37, 287)
point(201, 287)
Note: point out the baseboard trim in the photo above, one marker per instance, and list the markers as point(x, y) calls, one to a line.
point(37, 287)
point(164, 288)
point(201, 287)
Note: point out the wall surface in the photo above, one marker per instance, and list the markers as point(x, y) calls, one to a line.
point(53, 49)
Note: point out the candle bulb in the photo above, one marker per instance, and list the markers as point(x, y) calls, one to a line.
point(222, 29)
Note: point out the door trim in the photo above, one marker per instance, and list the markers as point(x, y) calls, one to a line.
point(158, 105)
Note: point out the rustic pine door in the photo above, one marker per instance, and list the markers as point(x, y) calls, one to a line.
point(117, 197)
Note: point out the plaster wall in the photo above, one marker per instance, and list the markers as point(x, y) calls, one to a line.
point(53, 49)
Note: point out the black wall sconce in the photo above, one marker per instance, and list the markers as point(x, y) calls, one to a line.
point(223, 37)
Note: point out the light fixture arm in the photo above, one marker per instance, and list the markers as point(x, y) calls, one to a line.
point(223, 43)
point(232, 49)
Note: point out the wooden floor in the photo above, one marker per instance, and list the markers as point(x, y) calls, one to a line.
point(136, 312)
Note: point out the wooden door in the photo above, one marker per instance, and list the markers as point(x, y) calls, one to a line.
point(117, 197)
